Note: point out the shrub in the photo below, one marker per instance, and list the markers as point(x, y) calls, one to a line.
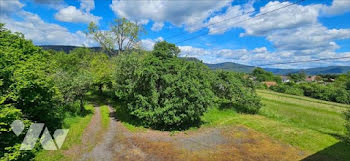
point(161, 90)
point(10, 143)
point(27, 90)
point(262, 75)
point(232, 90)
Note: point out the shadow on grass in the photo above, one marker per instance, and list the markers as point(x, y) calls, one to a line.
point(337, 152)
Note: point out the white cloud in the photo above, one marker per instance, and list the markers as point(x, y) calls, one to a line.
point(55, 4)
point(72, 14)
point(148, 44)
point(157, 26)
point(8, 7)
point(87, 5)
point(192, 14)
point(261, 56)
point(286, 18)
point(82, 15)
point(311, 39)
point(230, 18)
point(337, 7)
point(37, 30)
point(291, 30)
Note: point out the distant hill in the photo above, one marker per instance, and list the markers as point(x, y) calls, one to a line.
point(234, 66)
point(310, 71)
point(65, 48)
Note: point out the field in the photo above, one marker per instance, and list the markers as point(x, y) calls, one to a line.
point(285, 129)
point(309, 124)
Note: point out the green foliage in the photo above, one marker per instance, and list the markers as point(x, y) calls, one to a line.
point(101, 69)
point(297, 77)
point(263, 76)
point(288, 88)
point(105, 39)
point(27, 90)
point(165, 50)
point(163, 92)
point(336, 92)
point(232, 90)
point(123, 33)
point(10, 144)
point(76, 73)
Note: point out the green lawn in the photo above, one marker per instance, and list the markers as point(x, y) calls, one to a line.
point(76, 126)
point(322, 116)
point(306, 123)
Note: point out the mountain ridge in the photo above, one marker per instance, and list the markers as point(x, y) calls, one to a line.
point(231, 66)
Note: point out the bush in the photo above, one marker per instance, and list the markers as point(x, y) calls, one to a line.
point(232, 90)
point(288, 88)
point(27, 90)
point(161, 90)
point(10, 143)
point(263, 76)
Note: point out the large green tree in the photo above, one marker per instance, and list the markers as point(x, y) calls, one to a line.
point(161, 90)
point(73, 74)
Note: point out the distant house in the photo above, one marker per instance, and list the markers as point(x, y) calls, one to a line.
point(269, 84)
point(311, 78)
point(285, 79)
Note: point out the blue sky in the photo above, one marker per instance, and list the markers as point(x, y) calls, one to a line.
point(311, 29)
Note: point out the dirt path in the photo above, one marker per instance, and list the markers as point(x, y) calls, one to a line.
point(89, 138)
point(219, 144)
point(103, 150)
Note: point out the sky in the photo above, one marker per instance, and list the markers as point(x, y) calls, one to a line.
point(249, 32)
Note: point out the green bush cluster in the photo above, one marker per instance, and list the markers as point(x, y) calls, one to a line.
point(163, 91)
point(264, 76)
point(336, 92)
point(288, 88)
point(232, 90)
point(166, 92)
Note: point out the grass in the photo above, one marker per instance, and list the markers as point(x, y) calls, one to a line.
point(306, 123)
point(309, 124)
point(214, 116)
point(76, 126)
point(325, 117)
point(105, 116)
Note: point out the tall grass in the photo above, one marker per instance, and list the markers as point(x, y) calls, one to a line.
point(309, 124)
point(327, 118)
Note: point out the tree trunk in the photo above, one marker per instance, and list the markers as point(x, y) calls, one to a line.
point(100, 88)
point(82, 109)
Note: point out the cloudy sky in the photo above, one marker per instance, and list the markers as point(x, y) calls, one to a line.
point(250, 32)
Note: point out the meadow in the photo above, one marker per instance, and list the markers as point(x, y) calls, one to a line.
point(314, 126)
